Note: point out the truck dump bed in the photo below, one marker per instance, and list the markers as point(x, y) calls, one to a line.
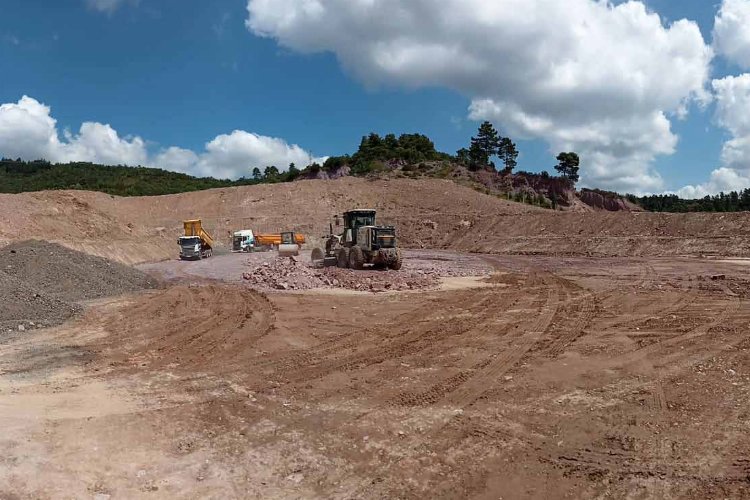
point(195, 228)
point(275, 239)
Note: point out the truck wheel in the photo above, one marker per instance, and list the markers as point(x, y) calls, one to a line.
point(396, 262)
point(356, 258)
point(317, 254)
point(343, 258)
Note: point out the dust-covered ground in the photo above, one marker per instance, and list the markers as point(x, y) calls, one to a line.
point(556, 378)
point(266, 271)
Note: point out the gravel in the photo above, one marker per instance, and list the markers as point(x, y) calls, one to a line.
point(25, 309)
point(68, 275)
point(41, 284)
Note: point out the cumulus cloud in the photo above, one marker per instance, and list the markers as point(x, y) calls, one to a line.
point(106, 6)
point(732, 32)
point(235, 155)
point(28, 131)
point(585, 75)
point(732, 95)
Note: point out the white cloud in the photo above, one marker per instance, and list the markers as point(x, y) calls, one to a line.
point(722, 179)
point(732, 95)
point(586, 75)
point(108, 6)
point(176, 159)
point(732, 32)
point(28, 131)
point(235, 155)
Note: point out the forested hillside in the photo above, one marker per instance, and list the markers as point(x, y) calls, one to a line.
point(406, 155)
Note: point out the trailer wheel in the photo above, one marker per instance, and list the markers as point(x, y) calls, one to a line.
point(343, 258)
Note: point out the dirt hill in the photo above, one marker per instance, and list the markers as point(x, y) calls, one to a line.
point(429, 213)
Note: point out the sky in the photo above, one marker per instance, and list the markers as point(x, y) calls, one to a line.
point(654, 95)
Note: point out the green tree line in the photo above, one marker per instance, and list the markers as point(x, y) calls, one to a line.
point(17, 176)
point(734, 201)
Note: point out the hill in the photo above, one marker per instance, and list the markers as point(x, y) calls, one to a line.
point(429, 213)
point(18, 176)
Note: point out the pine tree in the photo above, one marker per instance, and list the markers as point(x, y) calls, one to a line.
point(568, 165)
point(508, 154)
point(484, 146)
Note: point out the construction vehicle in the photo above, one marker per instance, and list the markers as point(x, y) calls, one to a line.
point(289, 246)
point(271, 241)
point(243, 241)
point(361, 243)
point(197, 243)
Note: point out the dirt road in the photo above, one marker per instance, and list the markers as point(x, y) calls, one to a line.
point(566, 378)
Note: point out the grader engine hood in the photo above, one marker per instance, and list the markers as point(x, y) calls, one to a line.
point(384, 237)
point(376, 237)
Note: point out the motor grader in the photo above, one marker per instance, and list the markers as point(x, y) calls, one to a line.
point(362, 243)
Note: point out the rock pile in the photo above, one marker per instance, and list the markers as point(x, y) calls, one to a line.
point(284, 273)
point(41, 283)
point(68, 275)
point(290, 273)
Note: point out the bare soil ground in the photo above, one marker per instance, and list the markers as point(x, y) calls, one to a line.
point(429, 213)
point(562, 377)
point(266, 271)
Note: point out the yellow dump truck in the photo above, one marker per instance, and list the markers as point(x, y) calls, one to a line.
point(197, 243)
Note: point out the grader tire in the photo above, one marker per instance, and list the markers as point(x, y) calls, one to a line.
point(356, 258)
point(317, 254)
point(397, 262)
point(342, 258)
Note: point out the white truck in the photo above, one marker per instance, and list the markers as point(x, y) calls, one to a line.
point(243, 241)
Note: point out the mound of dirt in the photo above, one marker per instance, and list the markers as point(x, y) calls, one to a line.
point(68, 275)
point(41, 283)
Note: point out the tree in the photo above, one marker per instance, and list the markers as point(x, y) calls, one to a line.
point(256, 174)
point(567, 165)
point(292, 173)
point(271, 174)
point(462, 156)
point(390, 141)
point(484, 146)
point(508, 153)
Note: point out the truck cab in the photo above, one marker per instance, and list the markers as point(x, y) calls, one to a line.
point(197, 243)
point(243, 241)
point(191, 247)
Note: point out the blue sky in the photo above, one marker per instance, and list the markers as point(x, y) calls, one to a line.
point(179, 73)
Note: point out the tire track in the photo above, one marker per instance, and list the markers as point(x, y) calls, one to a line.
point(414, 341)
point(488, 376)
point(558, 344)
point(593, 461)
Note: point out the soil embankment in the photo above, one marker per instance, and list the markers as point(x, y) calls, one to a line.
point(429, 213)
